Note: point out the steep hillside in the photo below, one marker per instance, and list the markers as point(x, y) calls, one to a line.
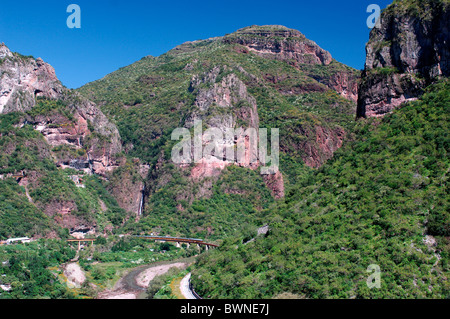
point(381, 200)
point(56, 146)
point(258, 77)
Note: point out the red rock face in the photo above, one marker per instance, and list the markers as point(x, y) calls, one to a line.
point(281, 43)
point(293, 46)
point(327, 142)
point(275, 183)
point(346, 85)
point(24, 79)
point(127, 190)
point(59, 130)
point(208, 168)
point(226, 94)
point(319, 144)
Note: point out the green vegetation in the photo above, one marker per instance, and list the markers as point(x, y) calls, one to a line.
point(18, 216)
point(29, 270)
point(150, 98)
point(372, 204)
point(47, 107)
point(131, 252)
point(383, 199)
point(27, 210)
point(237, 197)
point(383, 72)
point(418, 8)
point(36, 270)
point(161, 286)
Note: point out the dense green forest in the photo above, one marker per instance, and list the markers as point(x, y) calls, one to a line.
point(373, 203)
point(27, 269)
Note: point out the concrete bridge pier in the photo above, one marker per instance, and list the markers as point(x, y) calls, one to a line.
point(178, 244)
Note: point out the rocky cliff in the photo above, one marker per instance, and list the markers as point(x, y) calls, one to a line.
point(281, 43)
point(405, 54)
point(56, 128)
point(76, 122)
point(223, 104)
point(22, 79)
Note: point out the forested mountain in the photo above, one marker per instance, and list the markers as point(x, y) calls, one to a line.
point(383, 199)
point(258, 77)
point(362, 177)
point(56, 146)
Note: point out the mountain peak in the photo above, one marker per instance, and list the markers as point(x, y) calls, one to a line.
point(4, 51)
point(281, 43)
point(270, 31)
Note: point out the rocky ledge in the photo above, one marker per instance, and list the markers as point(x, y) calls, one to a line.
point(280, 43)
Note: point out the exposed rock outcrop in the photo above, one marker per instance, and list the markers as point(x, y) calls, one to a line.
point(280, 43)
point(275, 183)
point(408, 52)
point(81, 125)
point(345, 83)
point(77, 135)
point(87, 129)
point(224, 105)
point(318, 145)
point(22, 79)
point(127, 186)
point(327, 142)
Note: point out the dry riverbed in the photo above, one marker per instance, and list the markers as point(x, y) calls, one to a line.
point(75, 275)
point(135, 283)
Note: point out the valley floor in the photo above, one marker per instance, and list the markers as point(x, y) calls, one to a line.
point(134, 284)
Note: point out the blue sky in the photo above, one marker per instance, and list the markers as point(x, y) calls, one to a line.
point(116, 33)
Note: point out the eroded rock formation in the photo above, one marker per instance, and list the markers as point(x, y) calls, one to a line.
point(265, 41)
point(409, 51)
point(22, 79)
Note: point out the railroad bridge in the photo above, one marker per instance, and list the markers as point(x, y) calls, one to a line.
point(83, 240)
point(179, 241)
